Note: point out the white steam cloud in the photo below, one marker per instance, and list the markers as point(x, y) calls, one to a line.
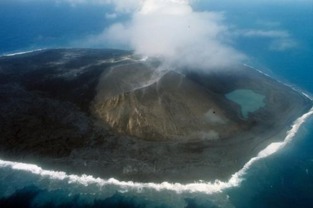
point(173, 31)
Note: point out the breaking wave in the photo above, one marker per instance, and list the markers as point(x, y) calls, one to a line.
point(110, 186)
point(22, 52)
point(125, 186)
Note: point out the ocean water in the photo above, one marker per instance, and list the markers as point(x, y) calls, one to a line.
point(282, 179)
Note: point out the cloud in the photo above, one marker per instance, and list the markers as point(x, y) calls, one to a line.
point(249, 2)
point(111, 15)
point(174, 32)
point(283, 44)
point(124, 6)
point(279, 40)
point(265, 33)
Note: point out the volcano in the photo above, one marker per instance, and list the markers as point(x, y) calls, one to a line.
point(111, 113)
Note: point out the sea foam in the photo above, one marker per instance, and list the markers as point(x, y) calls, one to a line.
point(205, 187)
point(200, 187)
point(22, 52)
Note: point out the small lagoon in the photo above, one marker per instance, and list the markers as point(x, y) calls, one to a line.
point(248, 100)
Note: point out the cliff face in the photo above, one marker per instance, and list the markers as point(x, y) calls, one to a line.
point(163, 106)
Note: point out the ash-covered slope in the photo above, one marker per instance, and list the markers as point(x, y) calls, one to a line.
point(164, 105)
point(110, 114)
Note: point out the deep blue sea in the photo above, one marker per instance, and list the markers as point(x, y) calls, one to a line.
point(283, 179)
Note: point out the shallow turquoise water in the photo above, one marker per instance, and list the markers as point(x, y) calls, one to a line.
point(248, 100)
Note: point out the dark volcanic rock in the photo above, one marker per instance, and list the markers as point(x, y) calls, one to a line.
point(107, 113)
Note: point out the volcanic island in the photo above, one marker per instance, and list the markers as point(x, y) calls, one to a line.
point(112, 114)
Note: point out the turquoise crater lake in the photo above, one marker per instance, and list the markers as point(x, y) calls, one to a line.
point(248, 100)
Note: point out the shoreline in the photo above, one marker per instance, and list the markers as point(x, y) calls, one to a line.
point(206, 187)
point(88, 146)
